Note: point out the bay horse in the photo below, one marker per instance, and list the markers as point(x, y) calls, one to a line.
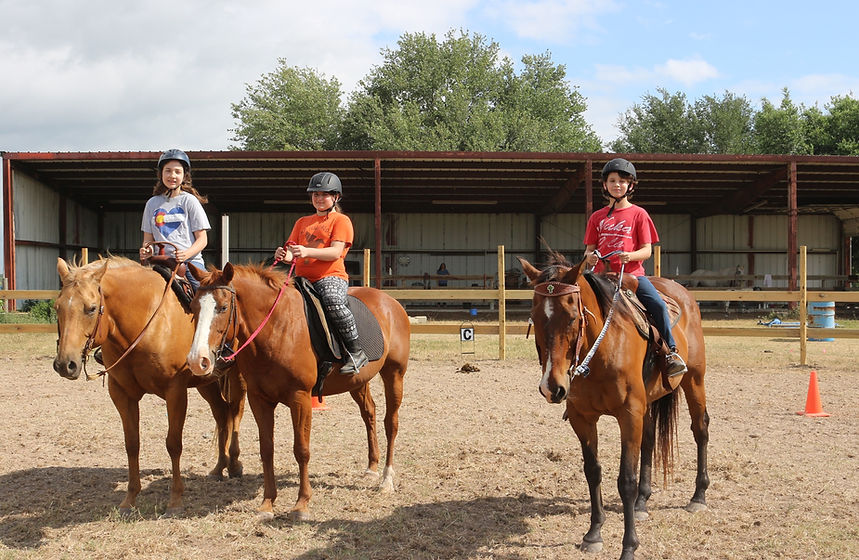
point(569, 310)
point(281, 364)
point(108, 303)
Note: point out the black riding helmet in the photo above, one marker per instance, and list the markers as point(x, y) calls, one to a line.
point(325, 182)
point(623, 167)
point(174, 154)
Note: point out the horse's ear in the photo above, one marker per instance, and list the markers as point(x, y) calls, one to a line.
point(572, 275)
point(227, 273)
point(530, 271)
point(197, 273)
point(63, 270)
point(99, 272)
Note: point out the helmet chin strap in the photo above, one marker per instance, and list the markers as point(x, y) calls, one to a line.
point(616, 199)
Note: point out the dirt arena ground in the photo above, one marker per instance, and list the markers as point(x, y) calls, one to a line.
point(485, 468)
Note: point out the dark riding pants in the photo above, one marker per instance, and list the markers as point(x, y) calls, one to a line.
point(332, 292)
point(655, 306)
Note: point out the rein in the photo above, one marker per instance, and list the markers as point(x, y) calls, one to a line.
point(234, 312)
point(91, 339)
point(556, 289)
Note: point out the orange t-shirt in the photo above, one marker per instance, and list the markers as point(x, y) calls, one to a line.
point(320, 232)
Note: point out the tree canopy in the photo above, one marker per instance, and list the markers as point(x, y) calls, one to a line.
point(461, 94)
point(289, 109)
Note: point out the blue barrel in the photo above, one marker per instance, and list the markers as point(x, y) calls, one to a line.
point(822, 315)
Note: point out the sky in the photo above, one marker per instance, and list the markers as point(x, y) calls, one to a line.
point(105, 75)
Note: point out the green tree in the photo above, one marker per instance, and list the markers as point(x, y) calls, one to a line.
point(841, 126)
point(725, 124)
point(660, 124)
point(289, 109)
point(780, 130)
point(461, 94)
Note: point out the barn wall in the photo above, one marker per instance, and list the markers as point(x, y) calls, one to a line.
point(36, 213)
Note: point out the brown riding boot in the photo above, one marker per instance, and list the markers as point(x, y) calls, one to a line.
point(674, 364)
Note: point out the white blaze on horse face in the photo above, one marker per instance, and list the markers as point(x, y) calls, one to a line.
point(200, 344)
point(547, 365)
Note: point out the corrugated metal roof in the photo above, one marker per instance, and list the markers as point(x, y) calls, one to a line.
point(495, 182)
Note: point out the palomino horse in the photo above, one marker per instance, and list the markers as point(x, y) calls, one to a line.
point(569, 309)
point(109, 302)
point(281, 364)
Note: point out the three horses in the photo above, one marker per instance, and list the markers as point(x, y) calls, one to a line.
point(109, 303)
point(280, 364)
point(622, 379)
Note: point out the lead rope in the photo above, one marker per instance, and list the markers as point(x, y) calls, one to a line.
point(270, 311)
point(583, 369)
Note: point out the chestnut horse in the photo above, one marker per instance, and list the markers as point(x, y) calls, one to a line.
point(108, 303)
point(282, 364)
point(569, 309)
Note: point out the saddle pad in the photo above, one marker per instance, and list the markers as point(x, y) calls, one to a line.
point(325, 340)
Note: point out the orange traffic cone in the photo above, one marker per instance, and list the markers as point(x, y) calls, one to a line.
point(812, 403)
point(318, 404)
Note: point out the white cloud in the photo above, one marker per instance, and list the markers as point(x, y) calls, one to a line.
point(552, 21)
point(688, 72)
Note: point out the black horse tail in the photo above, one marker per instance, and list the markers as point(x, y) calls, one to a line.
point(664, 413)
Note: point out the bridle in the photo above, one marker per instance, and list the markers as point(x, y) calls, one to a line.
point(90, 341)
point(222, 362)
point(556, 289)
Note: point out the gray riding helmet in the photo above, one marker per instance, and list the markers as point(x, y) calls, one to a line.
point(621, 166)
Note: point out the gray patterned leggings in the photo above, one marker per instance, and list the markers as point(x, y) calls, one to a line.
point(332, 292)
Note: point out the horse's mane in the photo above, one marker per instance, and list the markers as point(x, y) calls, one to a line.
point(79, 271)
point(556, 266)
point(603, 289)
point(271, 276)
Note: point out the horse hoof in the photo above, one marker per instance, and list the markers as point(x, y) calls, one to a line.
point(370, 473)
point(386, 486)
point(298, 515)
point(591, 547)
point(695, 507)
point(641, 515)
point(265, 516)
point(237, 472)
point(127, 513)
point(217, 474)
point(173, 512)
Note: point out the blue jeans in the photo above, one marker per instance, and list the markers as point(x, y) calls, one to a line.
point(194, 283)
point(652, 301)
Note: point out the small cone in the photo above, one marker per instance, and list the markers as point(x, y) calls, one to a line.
point(812, 402)
point(318, 404)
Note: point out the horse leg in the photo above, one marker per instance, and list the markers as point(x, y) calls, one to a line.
point(263, 411)
point(693, 389)
point(630, 436)
point(586, 430)
point(177, 409)
point(648, 440)
point(302, 415)
point(227, 417)
point(393, 399)
point(367, 407)
point(129, 412)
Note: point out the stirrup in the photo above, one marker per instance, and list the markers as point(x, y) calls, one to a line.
point(674, 362)
point(354, 362)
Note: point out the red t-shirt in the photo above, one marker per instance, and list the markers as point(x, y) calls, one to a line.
point(320, 232)
point(625, 230)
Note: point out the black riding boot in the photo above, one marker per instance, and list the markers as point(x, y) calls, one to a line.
point(354, 359)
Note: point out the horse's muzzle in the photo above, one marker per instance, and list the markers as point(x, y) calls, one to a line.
point(70, 369)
